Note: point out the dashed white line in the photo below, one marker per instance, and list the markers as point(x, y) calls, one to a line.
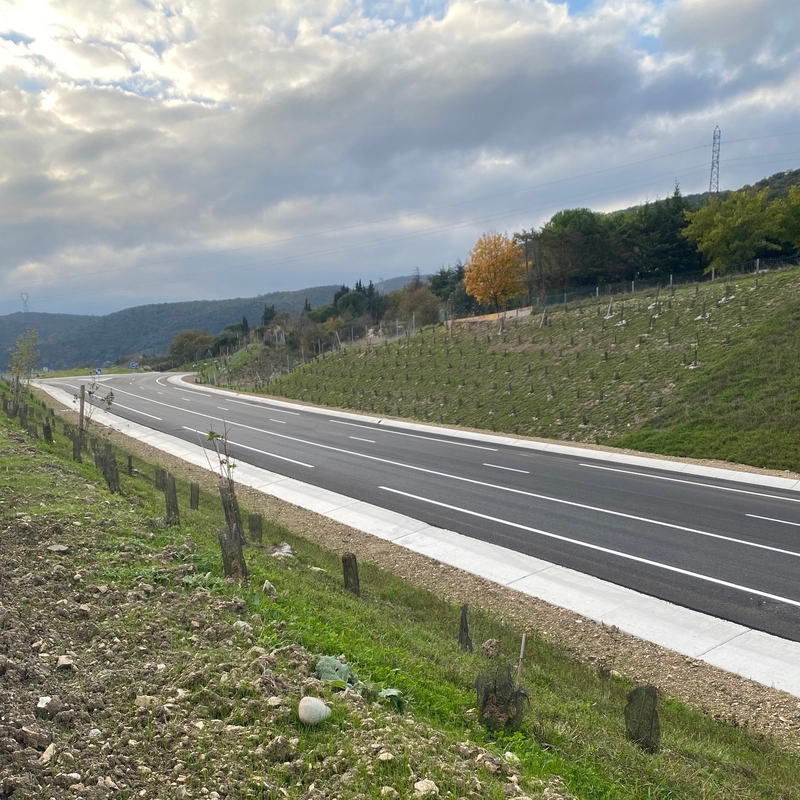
point(279, 421)
point(498, 487)
point(772, 519)
point(359, 439)
point(599, 548)
point(136, 411)
point(693, 483)
point(413, 435)
point(222, 408)
point(256, 450)
point(508, 469)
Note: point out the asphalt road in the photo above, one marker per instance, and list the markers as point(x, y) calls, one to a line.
point(727, 549)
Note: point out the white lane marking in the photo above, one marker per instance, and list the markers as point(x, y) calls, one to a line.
point(508, 469)
point(222, 408)
point(693, 483)
point(772, 519)
point(256, 450)
point(599, 548)
point(136, 411)
point(186, 400)
point(160, 392)
point(474, 482)
point(158, 381)
point(413, 435)
point(255, 406)
point(359, 439)
point(279, 421)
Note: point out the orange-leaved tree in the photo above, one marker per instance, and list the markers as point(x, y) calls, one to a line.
point(493, 273)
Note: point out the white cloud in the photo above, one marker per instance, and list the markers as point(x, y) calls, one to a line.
point(134, 133)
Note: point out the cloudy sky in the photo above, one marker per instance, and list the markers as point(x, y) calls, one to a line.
point(156, 151)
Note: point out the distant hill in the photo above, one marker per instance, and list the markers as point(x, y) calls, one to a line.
point(69, 340)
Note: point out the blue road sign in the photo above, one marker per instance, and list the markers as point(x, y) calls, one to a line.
point(98, 371)
point(133, 365)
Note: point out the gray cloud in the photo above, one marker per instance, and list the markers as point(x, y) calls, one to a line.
point(161, 151)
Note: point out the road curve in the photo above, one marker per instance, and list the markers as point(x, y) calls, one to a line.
point(726, 546)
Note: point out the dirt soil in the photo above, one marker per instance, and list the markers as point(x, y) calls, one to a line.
point(107, 692)
point(49, 612)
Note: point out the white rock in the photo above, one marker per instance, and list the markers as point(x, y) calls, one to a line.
point(146, 701)
point(48, 754)
point(243, 626)
point(94, 733)
point(425, 788)
point(312, 711)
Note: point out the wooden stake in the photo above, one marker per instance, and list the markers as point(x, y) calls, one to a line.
point(350, 568)
point(521, 656)
point(464, 642)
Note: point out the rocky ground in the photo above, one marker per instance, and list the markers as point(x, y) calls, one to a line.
point(156, 693)
point(153, 692)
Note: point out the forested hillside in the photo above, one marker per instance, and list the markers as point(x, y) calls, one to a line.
point(706, 370)
point(575, 253)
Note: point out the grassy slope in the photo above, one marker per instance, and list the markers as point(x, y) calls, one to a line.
point(707, 371)
point(404, 637)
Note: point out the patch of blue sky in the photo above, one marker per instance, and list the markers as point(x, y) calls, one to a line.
point(30, 85)
point(579, 6)
point(650, 44)
point(16, 38)
point(576, 6)
point(158, 47)
point(404, 10)
point(142, 86)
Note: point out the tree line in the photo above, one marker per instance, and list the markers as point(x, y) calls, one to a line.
point(575, 248)
point(660, 240)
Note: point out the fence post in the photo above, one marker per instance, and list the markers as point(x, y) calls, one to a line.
point(256, 527)
point(171, 498)
point(194, 496)
point(350, 567)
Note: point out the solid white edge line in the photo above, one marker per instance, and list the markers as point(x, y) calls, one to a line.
point(770, 671)
point(474, 482)
point(599, 548)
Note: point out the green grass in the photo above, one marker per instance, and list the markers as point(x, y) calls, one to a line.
point(705, 371)
point(394, 635)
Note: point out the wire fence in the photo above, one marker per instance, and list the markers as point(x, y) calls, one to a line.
point(554, 297)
